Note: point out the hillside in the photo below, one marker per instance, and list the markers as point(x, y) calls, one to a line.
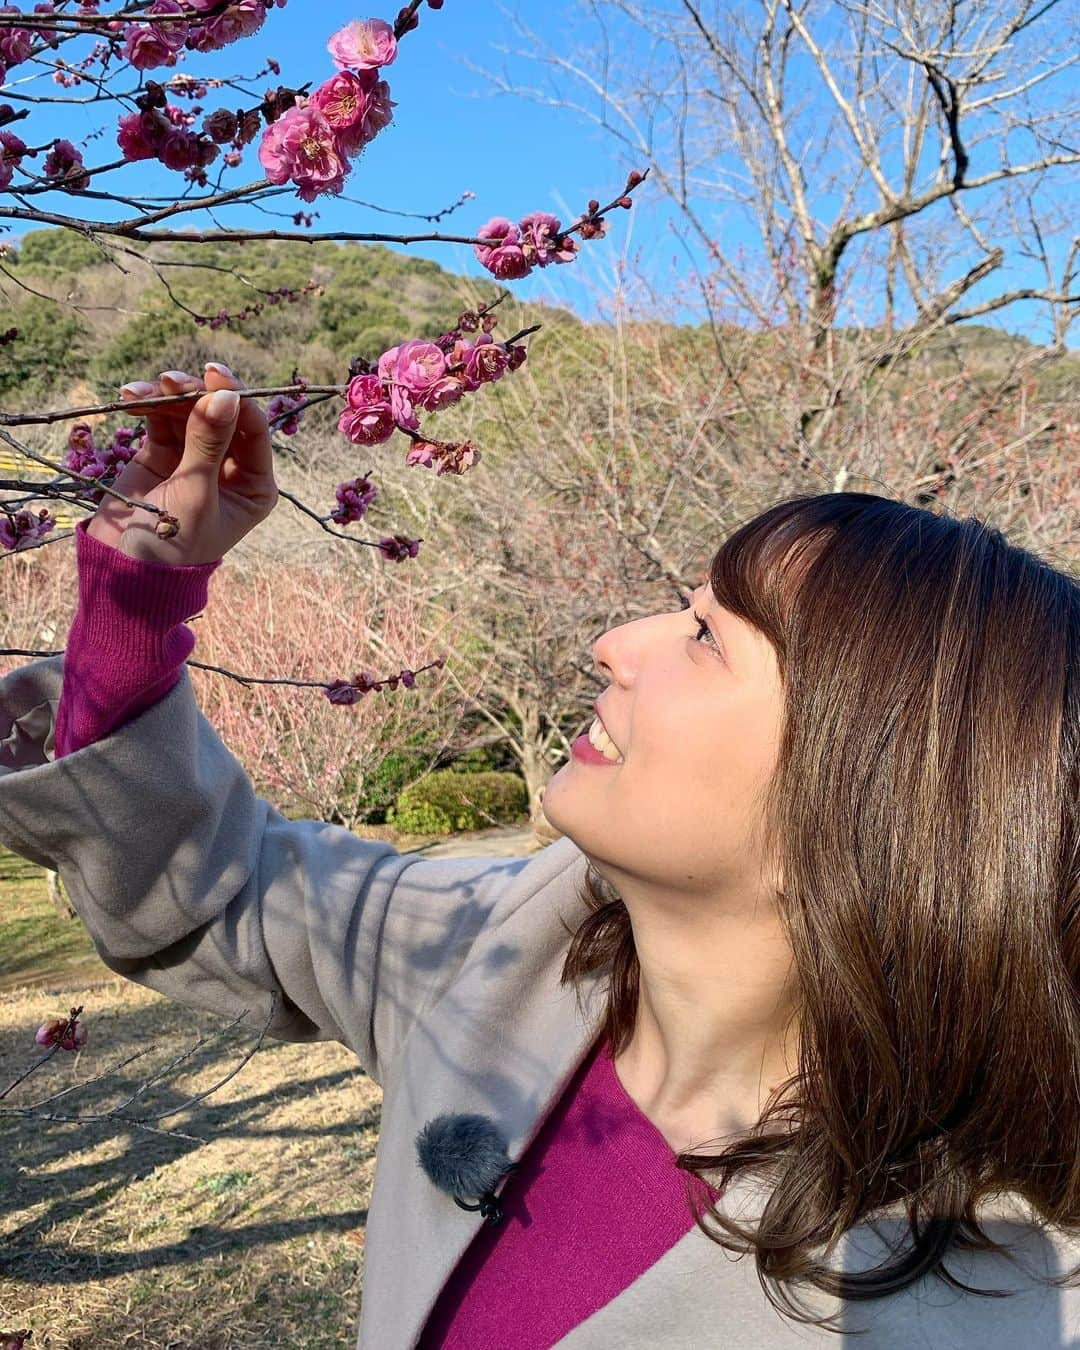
point(106, 320)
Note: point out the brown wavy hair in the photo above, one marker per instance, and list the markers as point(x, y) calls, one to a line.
point(924, 815)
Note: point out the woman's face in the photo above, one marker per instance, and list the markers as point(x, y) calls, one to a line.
point(698, 723)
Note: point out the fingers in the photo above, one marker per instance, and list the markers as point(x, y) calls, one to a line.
point(251, 448)
point(167, 424)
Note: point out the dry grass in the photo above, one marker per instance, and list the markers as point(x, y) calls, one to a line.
point(113, 1236)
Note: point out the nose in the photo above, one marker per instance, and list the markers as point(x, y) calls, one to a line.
point(612, 652)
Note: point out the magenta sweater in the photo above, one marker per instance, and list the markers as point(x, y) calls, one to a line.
point(596, 1199)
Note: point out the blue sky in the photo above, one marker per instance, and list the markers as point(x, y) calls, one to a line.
point(452, 133)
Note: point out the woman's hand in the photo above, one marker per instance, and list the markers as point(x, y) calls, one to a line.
point(215, 474)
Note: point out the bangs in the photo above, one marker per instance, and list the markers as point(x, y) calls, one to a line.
point(758, 570)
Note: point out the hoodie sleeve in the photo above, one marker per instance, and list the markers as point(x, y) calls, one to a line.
point(191, 884)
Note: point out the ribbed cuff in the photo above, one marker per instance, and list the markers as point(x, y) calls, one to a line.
point(128, 605)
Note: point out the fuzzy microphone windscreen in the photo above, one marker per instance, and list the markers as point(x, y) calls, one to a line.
point(462, 1155)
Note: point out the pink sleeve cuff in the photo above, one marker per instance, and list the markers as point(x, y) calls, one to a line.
point(128, 642)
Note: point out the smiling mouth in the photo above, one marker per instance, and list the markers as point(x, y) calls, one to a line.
point(602, 742)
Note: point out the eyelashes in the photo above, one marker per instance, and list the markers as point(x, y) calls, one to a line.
point(704, 629)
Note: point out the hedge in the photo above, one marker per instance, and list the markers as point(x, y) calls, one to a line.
point(446, 801)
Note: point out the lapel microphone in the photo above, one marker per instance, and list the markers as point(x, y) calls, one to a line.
point(465, 1155)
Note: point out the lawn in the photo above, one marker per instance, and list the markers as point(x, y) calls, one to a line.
point(113, 1236)
point(36, 943)
point(110, 1235)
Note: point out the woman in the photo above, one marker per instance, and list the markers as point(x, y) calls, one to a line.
point(801, 979)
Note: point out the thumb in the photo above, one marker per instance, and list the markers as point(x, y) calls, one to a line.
point(210, 430)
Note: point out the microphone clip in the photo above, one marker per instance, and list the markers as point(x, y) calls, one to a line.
point(488, 1205)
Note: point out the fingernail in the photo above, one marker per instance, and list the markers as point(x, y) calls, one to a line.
point(140, 388)
point(221, 370)
point(222, 405)
point(177, 376)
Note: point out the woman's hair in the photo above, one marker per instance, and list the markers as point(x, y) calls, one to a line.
point(924, 815)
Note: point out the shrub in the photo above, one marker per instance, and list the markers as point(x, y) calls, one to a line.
point(446, 801)
point(383, 784)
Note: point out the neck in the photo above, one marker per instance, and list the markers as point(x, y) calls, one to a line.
point(713, 1033)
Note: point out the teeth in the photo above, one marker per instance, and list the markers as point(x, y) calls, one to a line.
point(600, 740)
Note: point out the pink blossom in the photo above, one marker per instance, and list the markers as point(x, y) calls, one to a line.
point(178, 116)
point(281, 404)
point(486, 361)
point(139, 134)
point(16, 44)
point(398, 547)
point(345, 101)
point(538, 232)
point(12, 150)
point(238, 21)
point(417, 367)
point(422, 453)
point(503, 257)
point(178, 149)
point(220, 125)
point(369, 418)
point(57, 1032)
point(23, 528)
point(364, 44)
point(147, 45)
point(402, 407)
point(354, 498)
point(379, 113)
point(301, 146)
point(65, 162)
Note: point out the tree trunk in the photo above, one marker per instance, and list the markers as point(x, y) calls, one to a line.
point(58, 896)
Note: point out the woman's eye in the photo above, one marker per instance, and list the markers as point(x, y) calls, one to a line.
point(704, 630)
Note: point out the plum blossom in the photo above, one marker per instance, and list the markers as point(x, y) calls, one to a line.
point(539, 231)
point(23, 528)
point(398, 547)
point(220, 125)
point(139, 133)
point(379, 112)
point(514, 250)
point(147, 45)
point(84, 456)
point(345, 101)
point(16, 44)
point(281, 404)
point(354, 498)
point(67, 1032)
point(503, 256)
point(65, 162)
point(238, 21)
point(12, 149)
point(364, 44)
point(301, 146)
point(418, 368)
point(485, 361)
point(369, 418)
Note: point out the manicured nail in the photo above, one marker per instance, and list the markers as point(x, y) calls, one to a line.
point(221, 370)
point(177, 376)
point(222, 405)
point(139, 388)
